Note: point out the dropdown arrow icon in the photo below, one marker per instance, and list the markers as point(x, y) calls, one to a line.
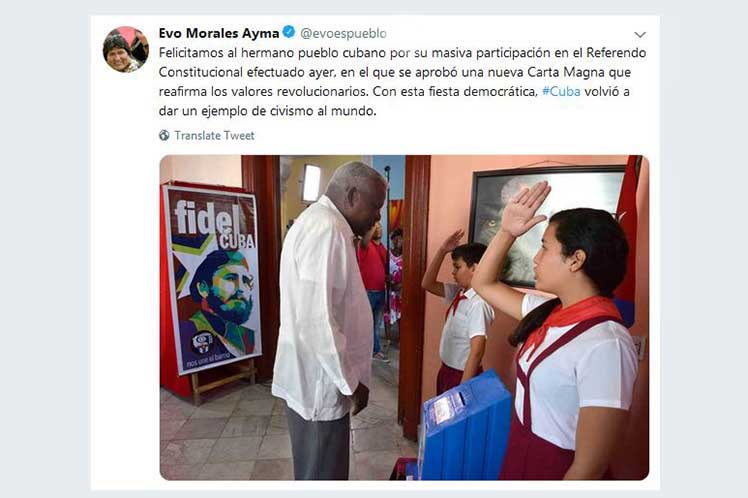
point(640, 35)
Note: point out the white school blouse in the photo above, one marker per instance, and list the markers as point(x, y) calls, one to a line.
point(325, 340)
point(598, 368)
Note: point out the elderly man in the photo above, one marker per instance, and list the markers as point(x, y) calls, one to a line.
point(323, 361)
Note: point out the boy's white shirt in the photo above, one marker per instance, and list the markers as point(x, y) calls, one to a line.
point(472, 318)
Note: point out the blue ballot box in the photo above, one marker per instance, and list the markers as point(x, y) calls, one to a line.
point(464, 431)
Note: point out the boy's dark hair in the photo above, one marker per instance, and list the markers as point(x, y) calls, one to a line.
point(469, 253)
point(397, 232)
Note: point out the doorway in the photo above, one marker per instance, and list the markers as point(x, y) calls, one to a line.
point(399, 376)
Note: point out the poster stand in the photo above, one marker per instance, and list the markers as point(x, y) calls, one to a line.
point(240, 372)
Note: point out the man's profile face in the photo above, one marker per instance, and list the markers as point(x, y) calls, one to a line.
point(118, 59)
point(230, 292)
point(367, 207)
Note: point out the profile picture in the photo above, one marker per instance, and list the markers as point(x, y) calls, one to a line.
point(125, 49)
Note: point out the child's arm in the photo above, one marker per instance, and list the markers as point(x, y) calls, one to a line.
point(598, 430)
point(364, 241)
point(477, 348)
point(496, 293)
point(518, 218)
point(429, 282)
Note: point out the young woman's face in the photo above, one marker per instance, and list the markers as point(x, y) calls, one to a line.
point(118, 59)
point(550, 265)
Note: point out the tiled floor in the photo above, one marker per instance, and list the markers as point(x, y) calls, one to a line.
point(240, 432)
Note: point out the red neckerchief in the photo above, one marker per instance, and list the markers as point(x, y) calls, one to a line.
point(455, 302)
point(562, 317)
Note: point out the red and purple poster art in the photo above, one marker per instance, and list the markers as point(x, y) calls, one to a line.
point(213, 274)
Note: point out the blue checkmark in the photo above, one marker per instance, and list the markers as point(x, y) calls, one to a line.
point(288, 31)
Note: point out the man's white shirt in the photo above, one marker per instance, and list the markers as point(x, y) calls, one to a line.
point(325, 341)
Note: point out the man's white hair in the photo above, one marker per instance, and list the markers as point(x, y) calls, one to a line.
point(353, 174)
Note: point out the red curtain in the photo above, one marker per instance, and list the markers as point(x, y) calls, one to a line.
point(169, 376)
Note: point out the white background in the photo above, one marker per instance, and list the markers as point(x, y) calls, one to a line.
point(45, 412)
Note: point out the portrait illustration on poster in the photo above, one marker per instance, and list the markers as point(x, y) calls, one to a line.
point(213, 276)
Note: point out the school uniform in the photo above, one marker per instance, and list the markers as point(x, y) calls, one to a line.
point(467, 316)
point(582, 356)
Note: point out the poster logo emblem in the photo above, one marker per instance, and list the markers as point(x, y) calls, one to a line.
point(202, 343)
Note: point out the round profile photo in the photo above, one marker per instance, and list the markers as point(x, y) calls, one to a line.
point(125, 49)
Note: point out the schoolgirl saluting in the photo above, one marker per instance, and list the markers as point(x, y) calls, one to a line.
point(576, 362)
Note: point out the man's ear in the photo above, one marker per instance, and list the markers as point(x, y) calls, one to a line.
point(577, 260)
point(352, 197)
point(202, 289)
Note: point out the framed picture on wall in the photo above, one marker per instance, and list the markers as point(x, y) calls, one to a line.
point(573, 186)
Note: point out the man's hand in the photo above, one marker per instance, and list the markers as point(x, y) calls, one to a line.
point(360, 398)
point(452, 241)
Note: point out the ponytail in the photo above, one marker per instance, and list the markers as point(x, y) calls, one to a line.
point(533, 320)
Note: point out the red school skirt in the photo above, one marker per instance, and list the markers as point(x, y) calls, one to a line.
point(449, 377)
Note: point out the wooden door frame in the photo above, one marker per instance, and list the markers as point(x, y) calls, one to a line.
point(415, 226)
point(260, 176)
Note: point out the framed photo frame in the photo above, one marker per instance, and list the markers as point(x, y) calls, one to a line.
point(572, 186)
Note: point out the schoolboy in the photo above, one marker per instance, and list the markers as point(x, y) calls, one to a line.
point(463, 340)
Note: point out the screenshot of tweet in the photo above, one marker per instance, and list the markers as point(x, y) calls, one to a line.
point(375, 252)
